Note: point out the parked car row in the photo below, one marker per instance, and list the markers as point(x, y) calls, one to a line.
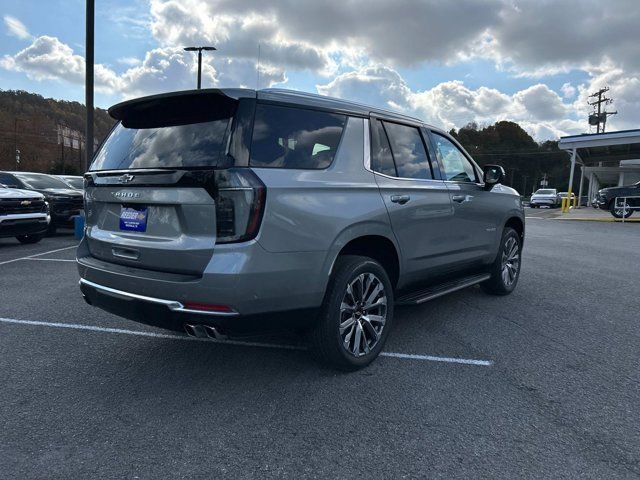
point(34, 204)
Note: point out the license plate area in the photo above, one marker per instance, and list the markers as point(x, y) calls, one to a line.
point(133, 219)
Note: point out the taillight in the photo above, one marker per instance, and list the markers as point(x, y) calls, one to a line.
point(240, 198)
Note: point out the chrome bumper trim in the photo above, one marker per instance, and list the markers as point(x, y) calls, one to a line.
point(172, 305)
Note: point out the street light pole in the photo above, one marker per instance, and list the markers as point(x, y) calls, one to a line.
point(199, 50)
point(88, 88)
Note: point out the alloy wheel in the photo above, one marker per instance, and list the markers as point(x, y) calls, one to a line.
point(363, 314)
point(510, 261)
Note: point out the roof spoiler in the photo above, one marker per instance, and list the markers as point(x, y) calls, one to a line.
point(179, 108)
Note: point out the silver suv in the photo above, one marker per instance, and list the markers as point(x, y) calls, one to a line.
point(226, 212)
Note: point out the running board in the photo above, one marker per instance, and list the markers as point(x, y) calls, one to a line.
point(421, 296)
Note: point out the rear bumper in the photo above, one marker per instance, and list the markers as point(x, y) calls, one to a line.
point(172, 315)
point(543, 202)
point(249, 280)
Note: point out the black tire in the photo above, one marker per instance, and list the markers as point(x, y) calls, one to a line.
point(51, 231)
point(502, 283)
point(28, 239)
point(618, 212)
point(328, 343)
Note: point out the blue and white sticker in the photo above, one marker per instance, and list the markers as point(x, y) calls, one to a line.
point(133, 219)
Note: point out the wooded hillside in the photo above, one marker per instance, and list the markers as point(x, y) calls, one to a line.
point(37, 126)
point(525, 160)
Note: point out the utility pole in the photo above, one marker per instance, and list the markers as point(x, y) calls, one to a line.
point(199, 50)
point(15, 138)
point(598, 117)
point(88, 87)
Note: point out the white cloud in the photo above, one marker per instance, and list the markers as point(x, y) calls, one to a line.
point(195, 22)
point(452, 104)
point(129, 61)
point(568, 90)
point(625, 90)
point(16, 28)
point(161, 70)
point(49, 58)
point(525, 38)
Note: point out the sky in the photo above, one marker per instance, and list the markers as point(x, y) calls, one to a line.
point(450, 63)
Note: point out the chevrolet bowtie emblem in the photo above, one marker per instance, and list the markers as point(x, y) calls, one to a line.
point(126, 178)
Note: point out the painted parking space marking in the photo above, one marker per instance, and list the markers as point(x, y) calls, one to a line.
point(122, 331)
point(29, 257)
point(49, 260)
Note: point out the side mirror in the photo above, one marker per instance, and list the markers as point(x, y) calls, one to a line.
point(493, 174)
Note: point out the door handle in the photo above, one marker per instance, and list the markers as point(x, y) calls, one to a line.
point(462, 198)
point(401, 199)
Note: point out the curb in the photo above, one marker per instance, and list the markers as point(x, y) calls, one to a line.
point(611, 220)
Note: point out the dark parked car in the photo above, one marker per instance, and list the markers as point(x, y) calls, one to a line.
point(606, 200)
point(64, 202)
point(74, 181)
point(23, 214)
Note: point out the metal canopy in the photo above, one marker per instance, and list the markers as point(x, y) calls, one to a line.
point(605, 158)
point(608, 148)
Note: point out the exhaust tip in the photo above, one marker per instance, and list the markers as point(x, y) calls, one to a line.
point(204, 331)
point(190, 329)
point(213, 332)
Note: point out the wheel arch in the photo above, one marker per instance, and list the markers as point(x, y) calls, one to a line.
point(375, 241)
point(517, 223)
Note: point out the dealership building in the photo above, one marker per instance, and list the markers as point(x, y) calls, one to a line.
point(605, 159)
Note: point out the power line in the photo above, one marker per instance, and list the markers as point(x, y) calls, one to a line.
point(598, 117)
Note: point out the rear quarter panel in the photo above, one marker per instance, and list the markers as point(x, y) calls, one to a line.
point(322, 210)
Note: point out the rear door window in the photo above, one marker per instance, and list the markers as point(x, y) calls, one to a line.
point(457, 167)
point(381, 157)
point(408, 150)
point(287, 137)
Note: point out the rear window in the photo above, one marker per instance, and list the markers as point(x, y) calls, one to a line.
point(546, 192)
point(193, 145)
point(286, 137)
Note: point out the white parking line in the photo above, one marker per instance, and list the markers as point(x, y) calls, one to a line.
point(37, 255)
point(92, 328)
point(49, 260)
point(429, 358)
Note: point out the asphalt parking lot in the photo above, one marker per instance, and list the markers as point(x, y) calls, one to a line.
point(542, 383)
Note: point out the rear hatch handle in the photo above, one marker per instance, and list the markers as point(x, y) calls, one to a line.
point(127, 253)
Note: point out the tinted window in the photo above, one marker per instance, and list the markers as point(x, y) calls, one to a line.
point(36, 181)
point(381, 158)
point(191, 145)
point(408, 151)
point(285, 137)
point(75, 182)
point(457, 167)
point(9, 181)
